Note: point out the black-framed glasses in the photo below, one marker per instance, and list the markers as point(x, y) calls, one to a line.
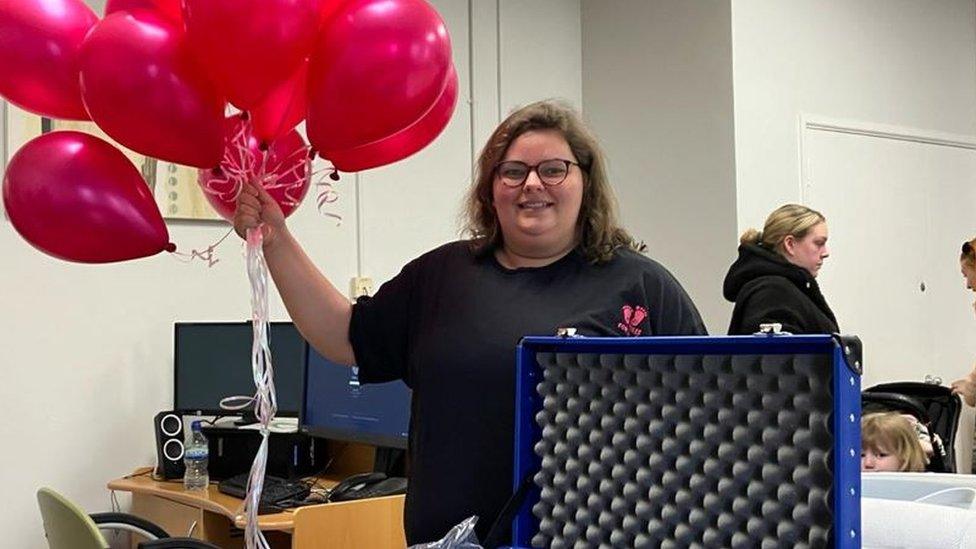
point(551, 172)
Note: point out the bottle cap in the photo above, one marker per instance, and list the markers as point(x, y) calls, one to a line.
point(195, 425)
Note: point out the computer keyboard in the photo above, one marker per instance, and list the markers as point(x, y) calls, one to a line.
point(276, 490)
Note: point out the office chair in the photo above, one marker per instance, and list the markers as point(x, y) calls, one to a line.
point(66, 526)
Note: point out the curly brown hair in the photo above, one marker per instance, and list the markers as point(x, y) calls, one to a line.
point(598, 234)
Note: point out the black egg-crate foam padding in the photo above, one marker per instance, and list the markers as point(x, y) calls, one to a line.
point(684, 451)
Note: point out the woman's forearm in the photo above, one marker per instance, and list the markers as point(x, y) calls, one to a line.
point(320, 311)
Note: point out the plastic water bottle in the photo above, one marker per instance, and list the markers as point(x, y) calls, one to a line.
point(196, 456)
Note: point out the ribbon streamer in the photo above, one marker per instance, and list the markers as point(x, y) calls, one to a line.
point(265, 403)
point(283, 168)
point(209, 254)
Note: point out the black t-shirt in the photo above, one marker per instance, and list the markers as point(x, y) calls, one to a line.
point(448, 325)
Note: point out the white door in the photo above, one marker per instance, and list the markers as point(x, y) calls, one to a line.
point(951, 196)
point(897, 212)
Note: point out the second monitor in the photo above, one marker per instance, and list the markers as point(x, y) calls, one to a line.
point(338, 407)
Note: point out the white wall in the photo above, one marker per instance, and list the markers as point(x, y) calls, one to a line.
point(897, 62)
point(88, 349)
point(657, 89)
point(539, 52)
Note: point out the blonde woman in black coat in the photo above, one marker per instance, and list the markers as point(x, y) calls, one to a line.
point(774, 280)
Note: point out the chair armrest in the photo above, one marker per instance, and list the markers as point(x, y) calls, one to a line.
point(177, 543)
point(128, 523)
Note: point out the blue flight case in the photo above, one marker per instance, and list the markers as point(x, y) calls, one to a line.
point(741, 441)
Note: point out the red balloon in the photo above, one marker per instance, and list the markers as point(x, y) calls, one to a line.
point(403, 143)
point(328, 8)
point(143, 88)
point(376, 68)
point(170, 9)
point(39, 42)
point(75, 197)
point(283, 108)
point(284, 169)
point(251, 46)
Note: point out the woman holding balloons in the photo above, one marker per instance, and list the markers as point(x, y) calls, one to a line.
point(545, 252)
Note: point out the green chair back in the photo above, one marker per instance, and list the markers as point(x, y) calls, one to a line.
point(66, 525)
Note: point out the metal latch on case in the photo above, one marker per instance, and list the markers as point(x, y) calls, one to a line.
point(771, 329)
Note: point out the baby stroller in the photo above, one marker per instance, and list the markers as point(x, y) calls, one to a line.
point(933, 405)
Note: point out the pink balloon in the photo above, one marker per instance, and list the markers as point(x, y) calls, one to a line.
point(284, 169)
point(75, 197)
point(251, 46)
point(171, 9)
point(39, 42)
point(143, 88)
point(403, 143)
point(376, 68)
point(283, 108)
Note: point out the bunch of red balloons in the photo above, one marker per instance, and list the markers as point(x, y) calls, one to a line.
point(373, 79)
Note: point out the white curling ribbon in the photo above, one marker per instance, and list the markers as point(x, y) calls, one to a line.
point(265, 400)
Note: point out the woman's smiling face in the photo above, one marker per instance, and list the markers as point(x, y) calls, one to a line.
point(536, 218)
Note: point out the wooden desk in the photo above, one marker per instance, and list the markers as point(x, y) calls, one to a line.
point(371, 523)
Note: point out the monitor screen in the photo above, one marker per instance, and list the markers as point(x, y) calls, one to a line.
point(213, 361)
point(337, 407)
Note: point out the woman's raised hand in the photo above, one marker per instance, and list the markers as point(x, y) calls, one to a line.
point(256, 208)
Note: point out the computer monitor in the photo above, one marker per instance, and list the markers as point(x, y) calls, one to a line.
point(213, 361)
point(336, 406)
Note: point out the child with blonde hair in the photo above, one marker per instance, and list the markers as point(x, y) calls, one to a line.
point(889, 442)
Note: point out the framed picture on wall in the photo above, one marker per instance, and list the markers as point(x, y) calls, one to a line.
point(173, 185)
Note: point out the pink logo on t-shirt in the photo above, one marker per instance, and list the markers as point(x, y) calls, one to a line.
point(633, 316)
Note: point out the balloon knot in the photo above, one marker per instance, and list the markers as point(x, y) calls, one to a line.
point(215, 171)
point(334, 175)
point(245, 115)
point(263, 146)
point(170, 247)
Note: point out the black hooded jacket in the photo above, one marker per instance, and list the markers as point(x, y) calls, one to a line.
point(767, 288)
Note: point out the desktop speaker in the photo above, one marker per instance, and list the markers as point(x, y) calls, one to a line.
point(168, 427)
